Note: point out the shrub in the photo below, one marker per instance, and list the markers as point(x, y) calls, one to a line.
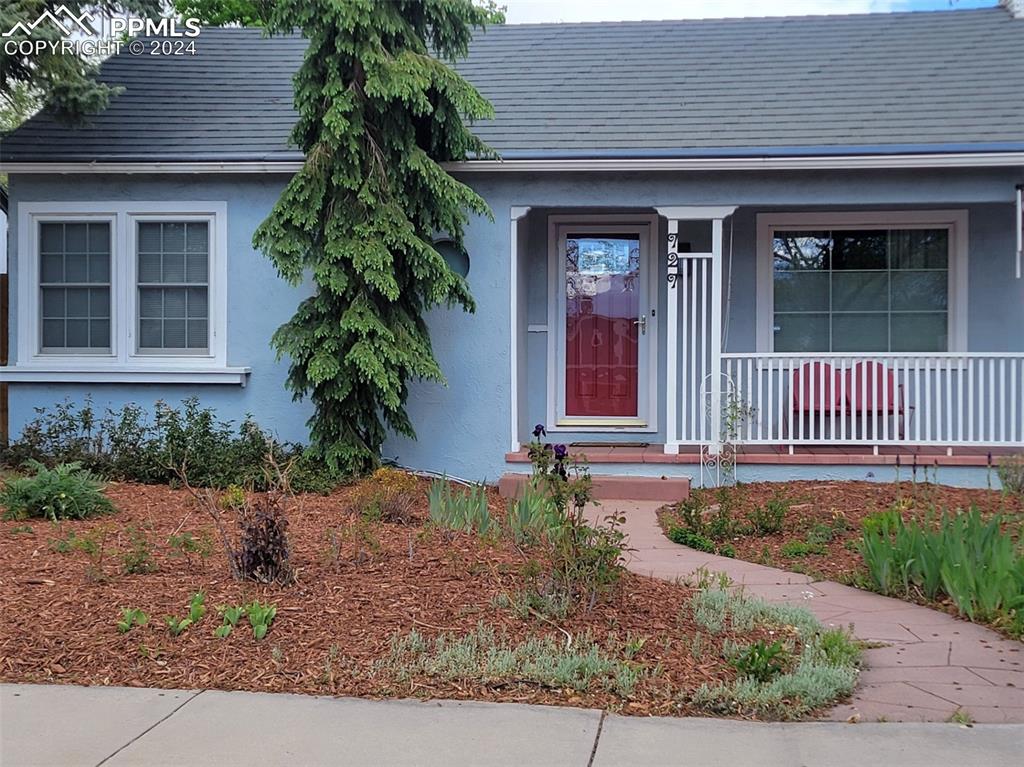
point(465, 510)
point(129, 444)
point(769, 519)
point(969, 560)
point(1010, 471)
point(585, 559)
point(687, 537)
point(66, 491)
point(137, 559)
point(263, 554)
point(387, 495)
point(691, 512)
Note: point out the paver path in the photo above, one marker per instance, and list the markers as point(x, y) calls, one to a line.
point(932, 664)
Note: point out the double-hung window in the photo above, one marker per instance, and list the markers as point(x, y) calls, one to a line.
point(846, 283)
point(74, 287)
point(126, 285)
point(172, 275)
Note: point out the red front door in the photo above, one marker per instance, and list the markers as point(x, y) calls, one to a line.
point(602, 324)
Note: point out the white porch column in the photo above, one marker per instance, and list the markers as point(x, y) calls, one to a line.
point(713, 312)
point(672, 343)
point(516, 213)
point(715, 446)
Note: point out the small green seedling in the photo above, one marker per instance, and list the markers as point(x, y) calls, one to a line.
point(260, 617)
point(197, 606)
point(231, 614)
point(130, 617)
point(196, 611)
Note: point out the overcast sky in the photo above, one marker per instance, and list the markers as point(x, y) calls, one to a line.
point(527, 11)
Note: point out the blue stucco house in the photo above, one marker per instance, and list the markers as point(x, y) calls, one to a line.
point(792, 243)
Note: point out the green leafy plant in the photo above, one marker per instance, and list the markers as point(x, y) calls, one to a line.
point(798, 548)
point(533, 514)
point(65, 492)
point(464, 510)
point(136, 445)
point(233, 497)
point(808, 669)
point(138, 559)
point(691, 511)
point(585, 559)
point(761, 661)
point(187, 545)
point(769, 518)
point(131, 617)
point(196, 611)
point(1010, 471)
point(687, 537)
point(968, 559)
point(260, 617)
point(230, 614)
point(21, 530)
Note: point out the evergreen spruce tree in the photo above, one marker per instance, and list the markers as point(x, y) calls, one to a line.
point(379, 110)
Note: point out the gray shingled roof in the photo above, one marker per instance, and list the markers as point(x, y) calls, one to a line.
point(932, 81)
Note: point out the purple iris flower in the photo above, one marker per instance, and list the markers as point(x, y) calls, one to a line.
point(561, 451)
point(539, 429)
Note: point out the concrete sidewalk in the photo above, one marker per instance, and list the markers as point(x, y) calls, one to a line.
point(117, 726)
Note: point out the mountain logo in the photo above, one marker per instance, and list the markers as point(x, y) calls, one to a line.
point(61, 17)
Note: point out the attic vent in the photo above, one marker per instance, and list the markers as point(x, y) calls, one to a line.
point(1015, 7)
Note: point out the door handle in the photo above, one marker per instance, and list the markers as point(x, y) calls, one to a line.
point(642, 322)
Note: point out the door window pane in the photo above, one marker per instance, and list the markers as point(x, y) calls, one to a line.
point(173, 298)
point(870, 290)
point(74, 286)
point(602, 324)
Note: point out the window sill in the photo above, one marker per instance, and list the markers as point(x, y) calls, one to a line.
point(84, 373)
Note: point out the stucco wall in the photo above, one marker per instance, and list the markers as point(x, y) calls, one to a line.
point(464, 427)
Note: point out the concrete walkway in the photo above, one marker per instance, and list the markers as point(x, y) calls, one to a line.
point(931, 665)
point(64, 726)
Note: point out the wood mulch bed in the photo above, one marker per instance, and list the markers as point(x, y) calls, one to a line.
point(332, 625)
point(841, 506)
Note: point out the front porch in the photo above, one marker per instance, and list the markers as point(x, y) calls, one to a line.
point(753, 346)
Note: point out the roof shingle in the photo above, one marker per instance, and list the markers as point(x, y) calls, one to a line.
point(932, 81)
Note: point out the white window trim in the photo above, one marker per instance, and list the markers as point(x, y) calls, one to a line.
point(646, 227)
point(123, 358)
point(954, 220)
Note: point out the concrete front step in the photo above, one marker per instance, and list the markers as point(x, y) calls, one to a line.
point(615, 488)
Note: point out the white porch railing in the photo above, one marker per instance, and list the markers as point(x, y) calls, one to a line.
point(873, 399)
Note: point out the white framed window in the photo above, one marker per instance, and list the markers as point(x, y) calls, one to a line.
point(893, 281)
point(123, 285)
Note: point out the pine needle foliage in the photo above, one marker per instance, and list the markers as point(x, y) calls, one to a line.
point(380, 108)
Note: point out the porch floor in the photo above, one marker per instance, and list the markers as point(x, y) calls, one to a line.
point(830, 455)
